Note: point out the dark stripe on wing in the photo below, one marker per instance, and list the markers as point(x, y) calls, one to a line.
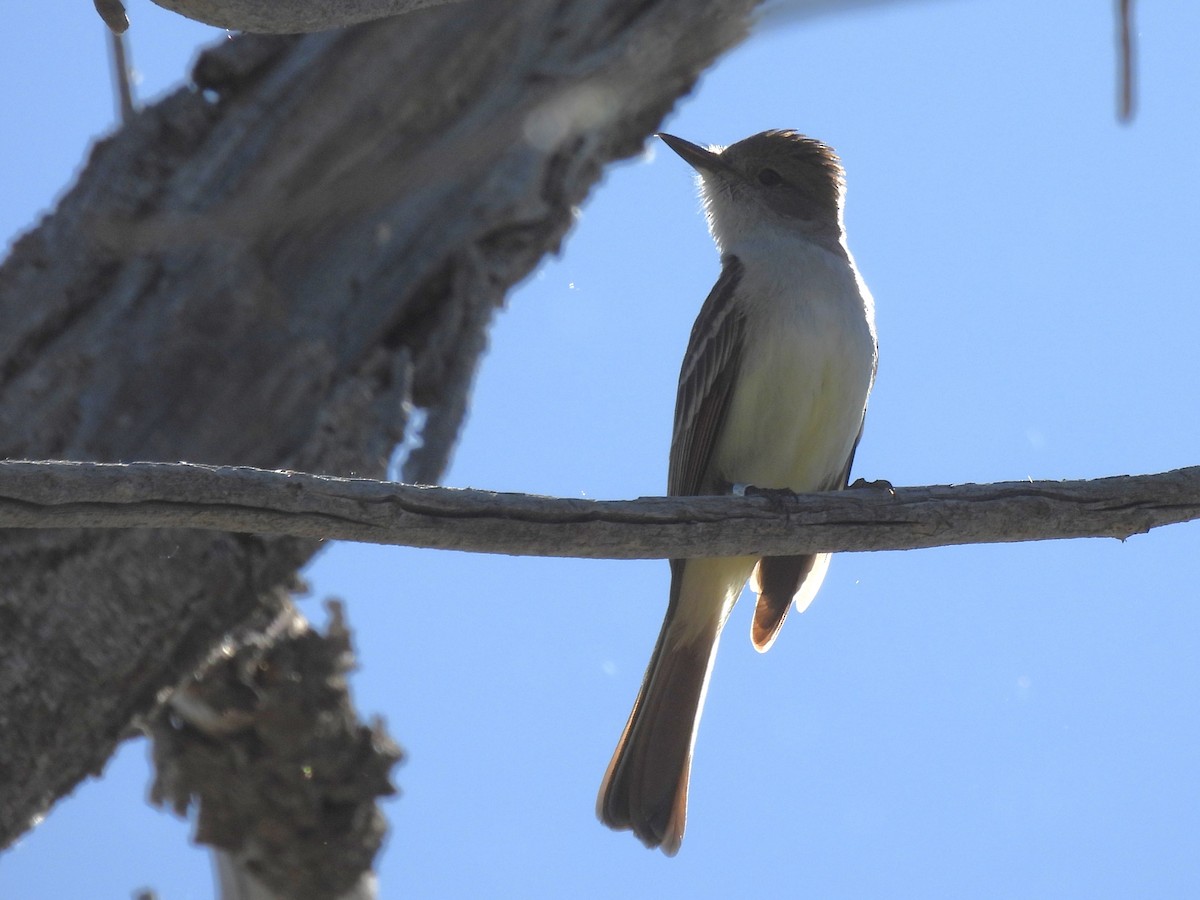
point(706, 383)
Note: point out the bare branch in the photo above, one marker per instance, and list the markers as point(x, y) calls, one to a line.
point(292, 16)
point(121, 80)
point(239, 499)
point(304, 16)
point(113, 14)
point(1125, 105)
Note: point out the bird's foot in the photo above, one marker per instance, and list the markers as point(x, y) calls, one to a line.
point(778, 497)
point(879, 484)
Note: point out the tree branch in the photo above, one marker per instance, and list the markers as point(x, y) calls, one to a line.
point(239, 499)
point(292, 16)
point(306, 16)
point(122, 83)
point(113, 14)
point(1126, 64)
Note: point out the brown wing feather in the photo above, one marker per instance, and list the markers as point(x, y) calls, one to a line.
point(706, 387)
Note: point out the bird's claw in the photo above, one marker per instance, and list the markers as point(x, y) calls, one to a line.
point(778, 497)
point(879, 484)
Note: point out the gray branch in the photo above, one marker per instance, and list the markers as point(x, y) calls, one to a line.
point(305, 16)
point(159, 495)
point(293, 16)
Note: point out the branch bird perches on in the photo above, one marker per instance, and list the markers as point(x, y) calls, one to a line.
point(297, 504)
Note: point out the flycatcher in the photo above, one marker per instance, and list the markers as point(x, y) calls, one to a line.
point(772, 394)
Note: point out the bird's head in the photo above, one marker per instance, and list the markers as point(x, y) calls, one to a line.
point(778, 179)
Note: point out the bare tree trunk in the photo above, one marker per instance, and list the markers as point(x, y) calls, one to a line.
point(268, 269)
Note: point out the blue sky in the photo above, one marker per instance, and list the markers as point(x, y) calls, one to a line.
point(994, 721)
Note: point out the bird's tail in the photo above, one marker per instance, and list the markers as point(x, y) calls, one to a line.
point(645, 787)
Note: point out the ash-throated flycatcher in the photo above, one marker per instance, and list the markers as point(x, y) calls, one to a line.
point(772, 393)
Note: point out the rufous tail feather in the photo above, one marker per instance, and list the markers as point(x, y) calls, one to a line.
point(646, 785)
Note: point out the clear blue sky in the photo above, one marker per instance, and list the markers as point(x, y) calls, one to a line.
point(997, 721)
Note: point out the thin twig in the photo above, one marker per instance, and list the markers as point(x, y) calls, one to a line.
point(1125, 29)
point(121, 82)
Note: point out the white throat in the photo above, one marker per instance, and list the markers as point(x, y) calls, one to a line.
point(736, 218)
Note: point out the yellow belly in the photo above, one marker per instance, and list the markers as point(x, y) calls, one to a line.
point(794, 415)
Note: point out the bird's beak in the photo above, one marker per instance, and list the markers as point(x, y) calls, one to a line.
point(699, 158)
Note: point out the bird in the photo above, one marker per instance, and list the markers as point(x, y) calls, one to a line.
point(772, 396)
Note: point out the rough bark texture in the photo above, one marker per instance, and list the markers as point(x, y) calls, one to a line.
point(265, 744)
point(266, 270)
point(876, 517)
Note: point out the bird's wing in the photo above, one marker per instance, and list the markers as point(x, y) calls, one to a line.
point(706, 386)
point(844, 481)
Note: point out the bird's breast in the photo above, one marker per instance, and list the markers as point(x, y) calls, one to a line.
point(806, 370)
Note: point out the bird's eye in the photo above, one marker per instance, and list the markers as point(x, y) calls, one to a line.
point(769, 178)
